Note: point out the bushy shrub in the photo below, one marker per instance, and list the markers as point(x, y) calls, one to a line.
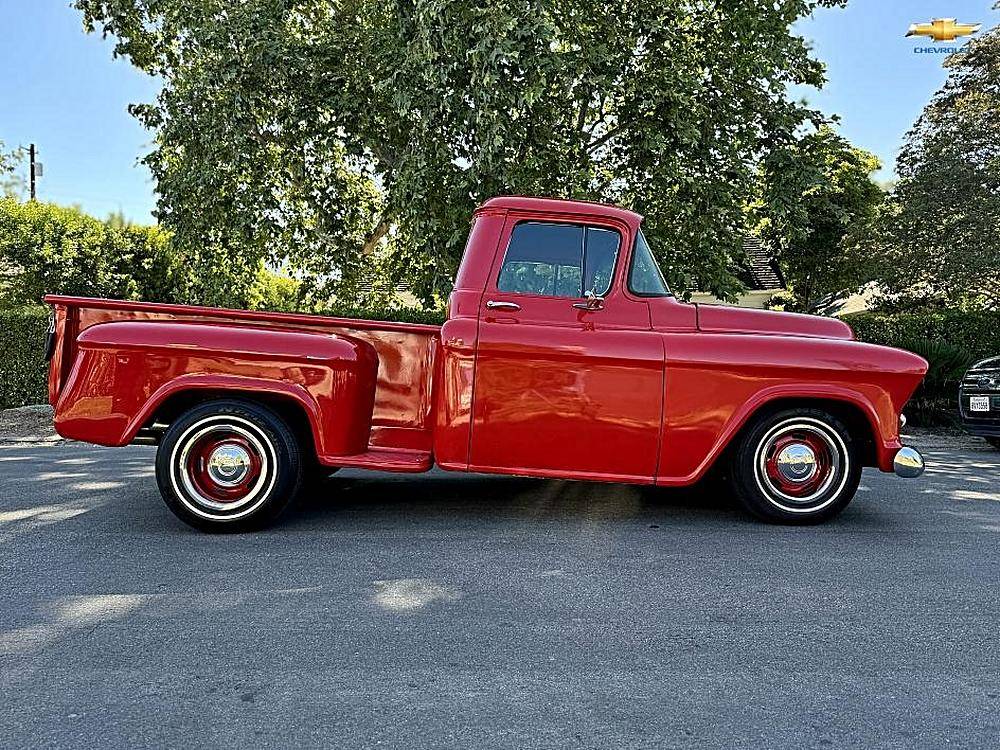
point(975, 331)
point(274, 291)
point(23, 369)
point(783, 300)
point(396, 314)
point(46, 249)
point(950, 341)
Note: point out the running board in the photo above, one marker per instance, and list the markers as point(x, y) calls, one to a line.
point(384, 459)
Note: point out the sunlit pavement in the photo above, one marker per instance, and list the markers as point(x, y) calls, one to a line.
point(468, 611)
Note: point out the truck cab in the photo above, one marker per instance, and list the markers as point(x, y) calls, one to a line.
point(552, 317)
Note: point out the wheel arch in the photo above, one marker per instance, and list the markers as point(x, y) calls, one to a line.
point(296, 409)
point(125, 371)
point(859, 421)
point(852, 408)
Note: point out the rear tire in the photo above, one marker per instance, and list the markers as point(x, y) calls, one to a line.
point(796, 466)
point(994, 441)
point(228, 466)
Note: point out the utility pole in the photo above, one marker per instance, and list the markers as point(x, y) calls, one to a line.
point(31, 158)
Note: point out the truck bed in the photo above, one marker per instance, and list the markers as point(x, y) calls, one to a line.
point(402, 426)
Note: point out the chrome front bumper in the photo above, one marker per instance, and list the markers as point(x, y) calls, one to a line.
point(908, 463)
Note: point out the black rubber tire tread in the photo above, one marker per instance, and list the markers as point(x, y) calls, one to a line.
point(288, 469)
point(744, 485)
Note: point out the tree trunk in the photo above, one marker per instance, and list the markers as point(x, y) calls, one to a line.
point(381, 229)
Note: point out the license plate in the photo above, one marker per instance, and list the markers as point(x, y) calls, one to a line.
point(979, 403)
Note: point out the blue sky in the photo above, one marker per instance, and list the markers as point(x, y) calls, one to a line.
point(62, 90)
point(875, 81)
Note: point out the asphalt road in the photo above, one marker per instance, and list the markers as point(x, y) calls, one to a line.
point(475, 612)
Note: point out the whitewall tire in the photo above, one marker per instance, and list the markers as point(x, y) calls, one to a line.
point(228, 465)
point(795, 466)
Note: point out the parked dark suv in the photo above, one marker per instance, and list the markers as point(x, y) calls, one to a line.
point(979, 400)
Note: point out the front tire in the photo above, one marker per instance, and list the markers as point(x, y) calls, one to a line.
point(228, 466)
point(994, 441)
point(796, 466)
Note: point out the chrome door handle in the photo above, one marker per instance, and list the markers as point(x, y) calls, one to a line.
point(502, 305)
point(594, 302)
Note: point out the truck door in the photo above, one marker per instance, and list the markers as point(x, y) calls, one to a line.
point(569, 374)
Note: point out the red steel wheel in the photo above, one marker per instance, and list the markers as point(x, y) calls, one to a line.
point(798, 461)
point(223, 465)
point(798, 465)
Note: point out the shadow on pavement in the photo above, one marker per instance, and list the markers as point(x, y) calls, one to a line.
point(45, 485)
point(463, 497)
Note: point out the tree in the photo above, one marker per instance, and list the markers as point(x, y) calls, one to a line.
point(338, 136)
point(819, 200)
point(11, 183)
point(939, 239)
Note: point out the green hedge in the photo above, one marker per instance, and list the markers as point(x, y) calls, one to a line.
point(45, 248)
point(397, 314)
point(950, 340)
point(23, 370)
point(50, 249)
point(977, 332)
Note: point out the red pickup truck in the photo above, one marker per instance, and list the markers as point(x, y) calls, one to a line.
point(563, 355)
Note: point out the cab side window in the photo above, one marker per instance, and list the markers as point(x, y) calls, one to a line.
point(559, 260)
point(644, 277)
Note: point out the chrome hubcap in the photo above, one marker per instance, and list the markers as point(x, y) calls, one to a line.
point(801, 465)
point(797, 463)
point(223, 467)
point(229, 464)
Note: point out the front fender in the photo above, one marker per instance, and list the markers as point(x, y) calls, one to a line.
point(715, 383)
point(883, 427)
point(124, 371)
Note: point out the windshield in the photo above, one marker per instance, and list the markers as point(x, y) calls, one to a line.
point(644, 277)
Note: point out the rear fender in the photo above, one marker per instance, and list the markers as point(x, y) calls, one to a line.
point(124, 371)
